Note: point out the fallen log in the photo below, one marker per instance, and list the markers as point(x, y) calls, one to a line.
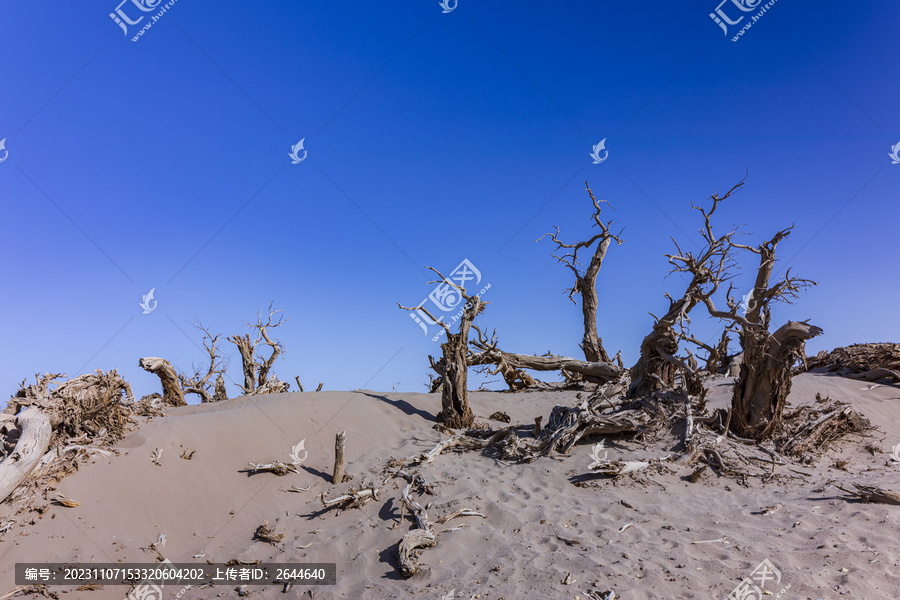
point(600, 371)
point(34, 439)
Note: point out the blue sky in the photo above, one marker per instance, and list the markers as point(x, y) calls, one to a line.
point(432, 138)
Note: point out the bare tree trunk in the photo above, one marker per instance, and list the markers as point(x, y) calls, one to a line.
point(764, 382)
point(453, 367)
point(455, 411)
point(247, 349)
point(163, 369)
point(656, 367)
point(34, 439)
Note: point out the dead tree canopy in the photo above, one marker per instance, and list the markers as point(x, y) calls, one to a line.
point(200, 383)
point(258, 378)
point(586, 279)
point(453, 366)
point(656, 368)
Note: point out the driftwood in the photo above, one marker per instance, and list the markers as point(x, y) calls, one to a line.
point(263, 533)
point(34, 439)
point(868, 493)
point(277, 467)
point(352, 499)
point(340, 440)
point(600, 464)
point(415, 540)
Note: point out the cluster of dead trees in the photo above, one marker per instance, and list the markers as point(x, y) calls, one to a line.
point(258, 351)
point(763, 366)
point(48, 426)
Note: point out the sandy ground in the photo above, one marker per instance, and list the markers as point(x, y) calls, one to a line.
point(684, 540)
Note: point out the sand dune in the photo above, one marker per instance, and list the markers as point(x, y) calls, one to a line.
point(682, 540)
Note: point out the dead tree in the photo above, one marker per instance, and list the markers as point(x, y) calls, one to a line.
point(257, 368)
point(201, 384)
point(171, 384)
point(586, 280)
point(656, 368)
point(764, 381)
point(453, 365)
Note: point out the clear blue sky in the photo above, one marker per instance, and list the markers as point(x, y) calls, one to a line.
point(431, 138)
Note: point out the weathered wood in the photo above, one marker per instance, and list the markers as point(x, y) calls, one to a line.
point(600, 371)
point(868, 493)
point(171, 385)
point(415, 540)
point(762, 388)
point(34, 439)
point(340, 440)
point(277, 467)
point(352, 499)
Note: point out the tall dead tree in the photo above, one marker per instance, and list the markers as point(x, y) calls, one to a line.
point(258, 378)
point(453, 365)
point(658, 364)
point(201, 384)
point(764, 381)
point(586, 280)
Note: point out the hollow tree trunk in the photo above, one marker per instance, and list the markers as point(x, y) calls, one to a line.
point(163, 369)
point(764, 382)
point(34, 439)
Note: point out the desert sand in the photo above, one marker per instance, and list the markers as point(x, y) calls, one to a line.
point(551, 529)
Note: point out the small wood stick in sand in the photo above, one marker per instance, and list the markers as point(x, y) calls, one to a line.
point(339, 441)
